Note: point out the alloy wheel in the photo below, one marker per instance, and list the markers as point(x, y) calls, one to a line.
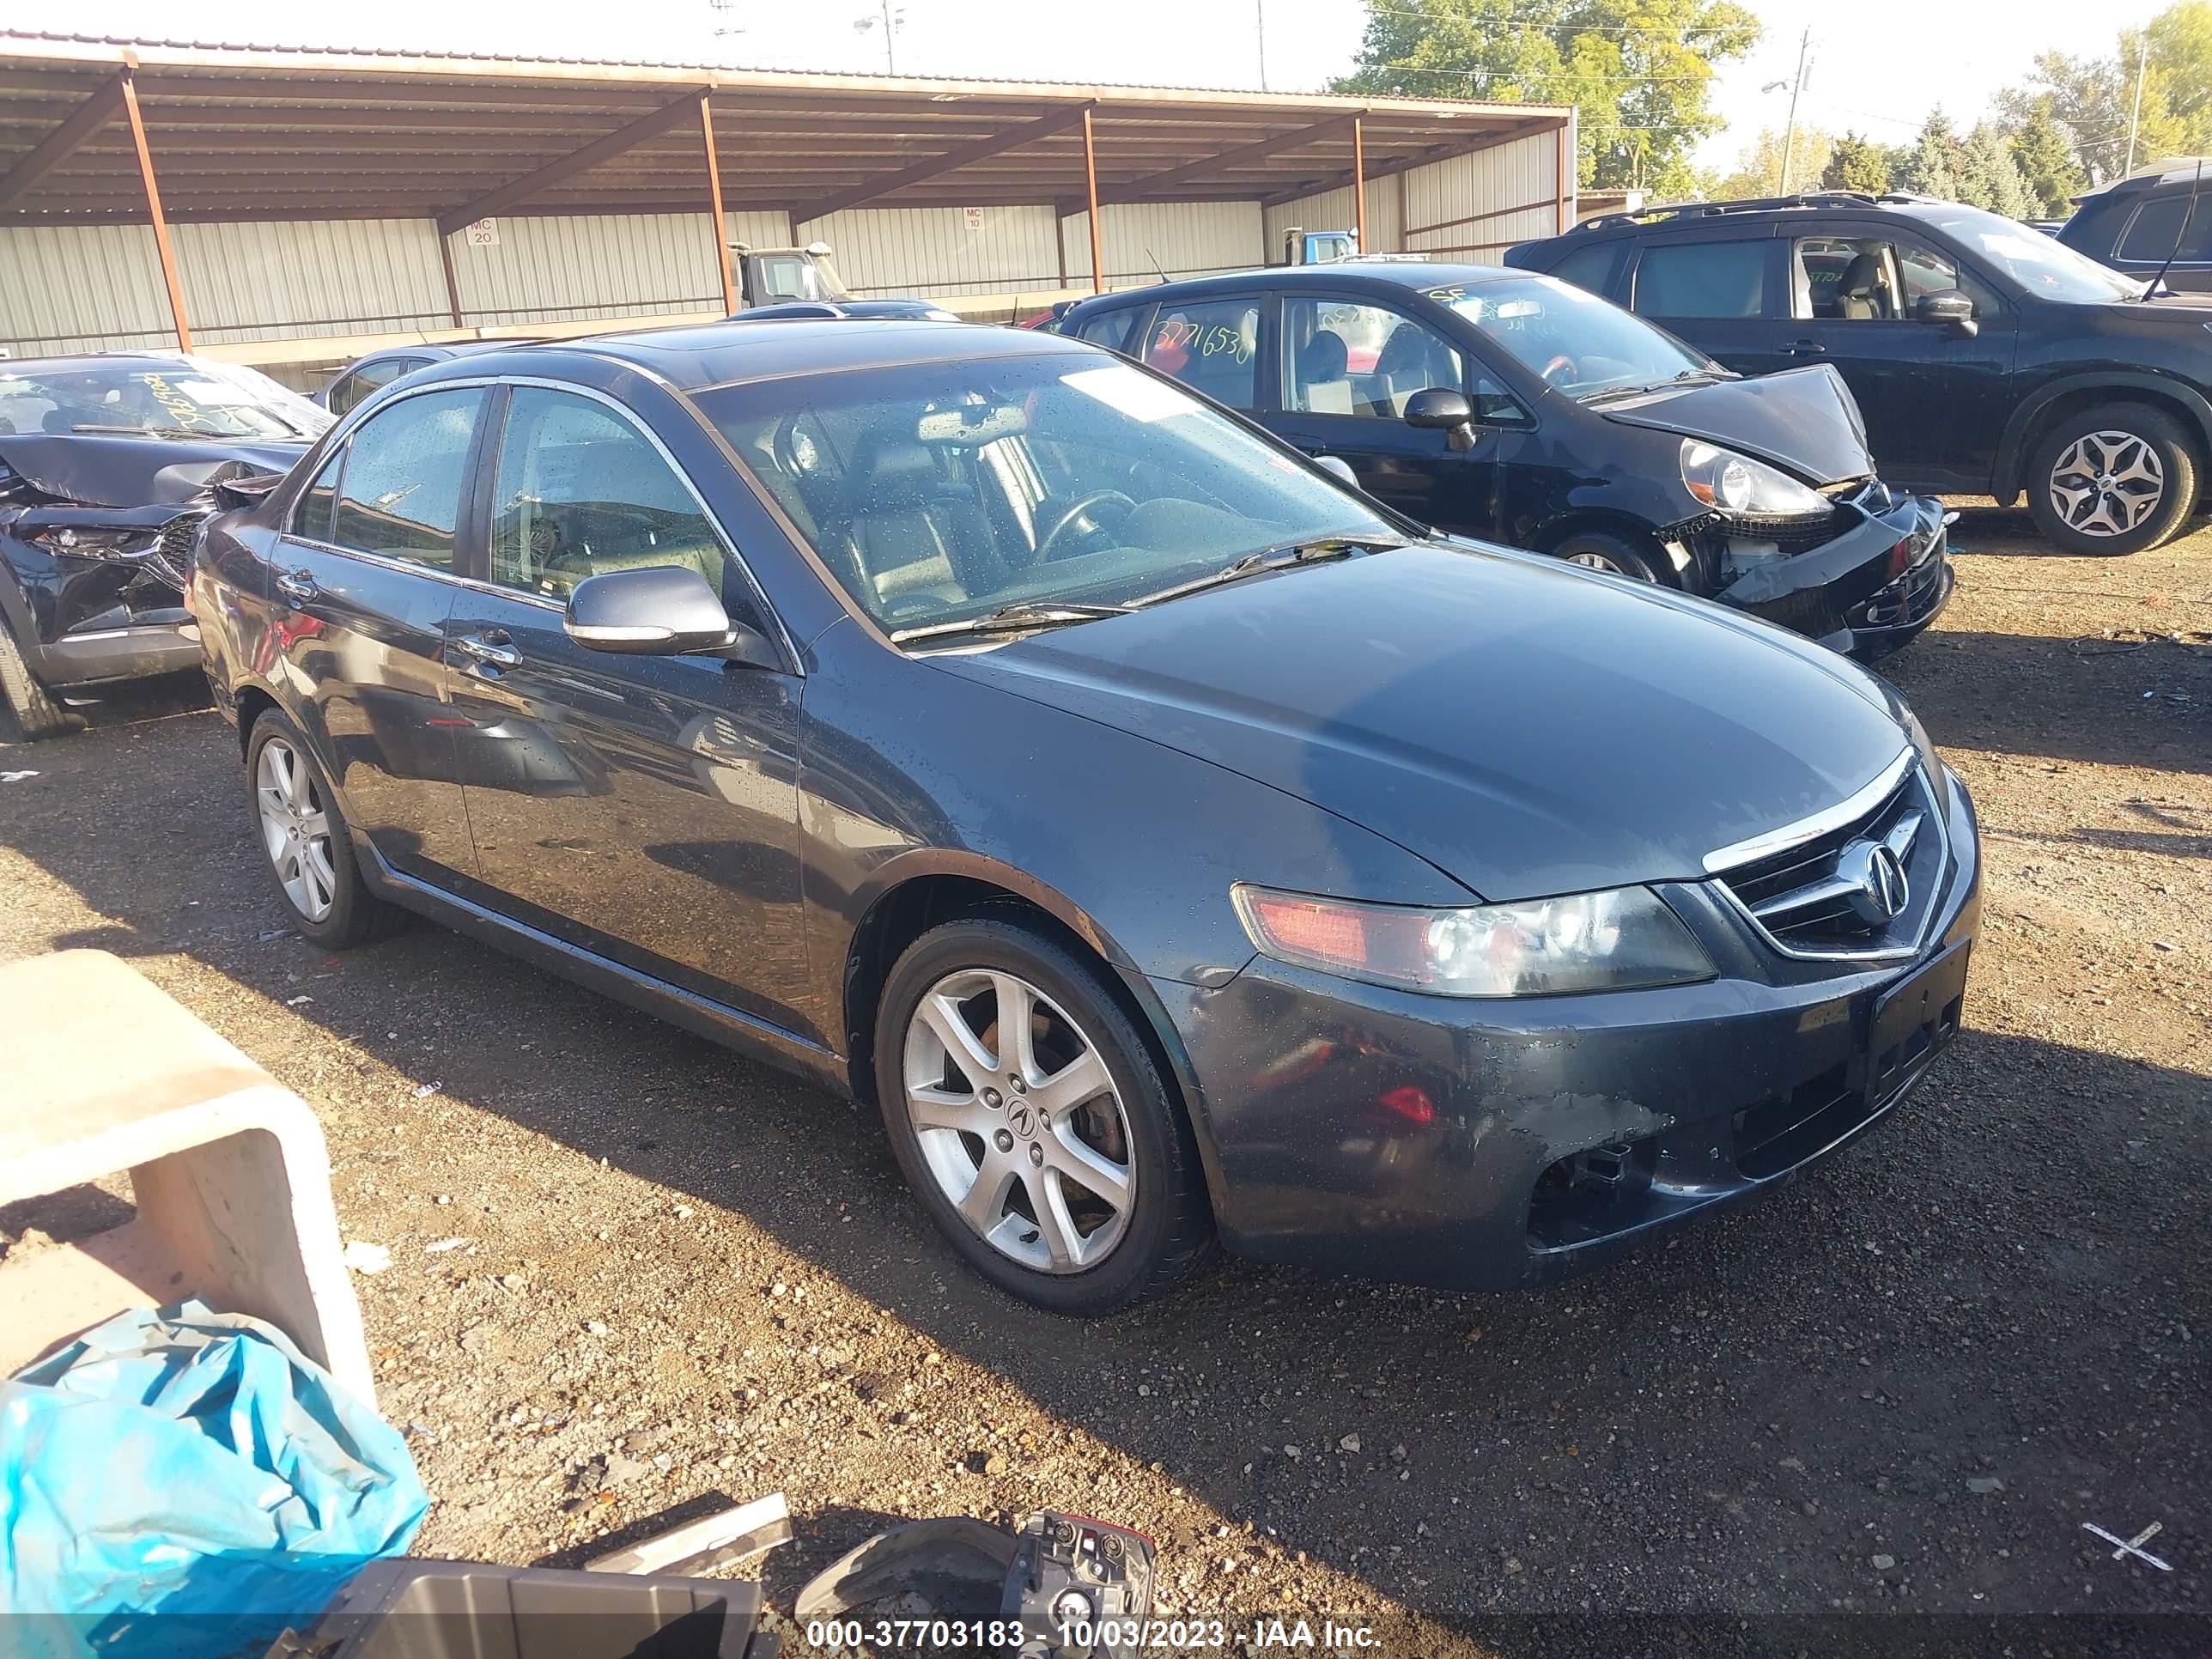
point(1019, 1122)
point(1597, 562)
point(2105, 483)
point(295, 830)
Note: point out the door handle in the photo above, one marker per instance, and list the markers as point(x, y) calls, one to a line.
point(297, 585)
point(490, 648)
point(1804, 348)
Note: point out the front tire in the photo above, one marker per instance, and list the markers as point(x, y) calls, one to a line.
point(1046, 1147)
point(1599, 550)
point(2115, 479)
point(305, 840)
point(37, 716)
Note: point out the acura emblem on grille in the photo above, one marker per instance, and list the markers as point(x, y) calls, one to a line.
point(1874, 876)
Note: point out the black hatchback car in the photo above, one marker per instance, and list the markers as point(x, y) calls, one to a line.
point(1987, 358)
point(1513, 408)
point(1170, 841)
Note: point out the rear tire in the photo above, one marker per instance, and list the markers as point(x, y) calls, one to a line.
point(305, 840)
point(1104, 1164)
point(2112, 480)
point(37, 716)
point(1600, 549)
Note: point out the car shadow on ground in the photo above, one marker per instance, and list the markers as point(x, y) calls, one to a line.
point(1735, 1417)
point(2142, 701)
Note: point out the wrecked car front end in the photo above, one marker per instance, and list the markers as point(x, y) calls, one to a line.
point(96, 540)
point(1863, 578)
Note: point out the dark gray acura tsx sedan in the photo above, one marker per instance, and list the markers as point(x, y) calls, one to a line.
point(1172, 843)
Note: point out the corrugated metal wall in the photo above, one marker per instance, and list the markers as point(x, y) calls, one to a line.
point(1334, 211)
point(81, 288)
point(565, 267)
point(1183, 238)
point(280, 281)
point(88, 287)
point(1522, 176)
point(933, 250)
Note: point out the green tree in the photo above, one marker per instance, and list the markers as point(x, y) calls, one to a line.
point(1990, 174)
point(1935, 164)
point(1856, 163)
point(2179, 42)
point(1757, 170)
point(1639, 72)
point(2045, 154)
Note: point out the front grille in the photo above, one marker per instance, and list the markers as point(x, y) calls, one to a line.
point(172, 552)
point(1829, 894)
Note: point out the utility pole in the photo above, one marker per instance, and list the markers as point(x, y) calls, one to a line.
point(891, 21)
point(1796, 86)
point(1260, 14)
point(2135, 118)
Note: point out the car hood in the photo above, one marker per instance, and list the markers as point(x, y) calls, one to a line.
point(1526, 727)
point(1803, 419)
point(96, 470)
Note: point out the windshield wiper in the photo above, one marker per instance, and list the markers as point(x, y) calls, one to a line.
point(154, 432)
point(1013, 618)
point(1280, 557)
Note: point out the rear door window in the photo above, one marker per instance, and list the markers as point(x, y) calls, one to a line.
point(403, 478)
point(1211, 345)
point(1703, 279)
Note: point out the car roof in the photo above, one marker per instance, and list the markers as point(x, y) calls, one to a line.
point(1418, 275)
point(692, 358)
point(1762, 210)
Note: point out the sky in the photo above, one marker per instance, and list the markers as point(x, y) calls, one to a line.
point(1879, 65)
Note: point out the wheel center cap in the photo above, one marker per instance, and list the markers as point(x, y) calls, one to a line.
point(1022, 1121)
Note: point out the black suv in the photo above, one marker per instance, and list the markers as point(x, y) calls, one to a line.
point(2156, 221)
point(1988, 358)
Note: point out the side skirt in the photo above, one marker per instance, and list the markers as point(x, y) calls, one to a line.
point(718, 1022)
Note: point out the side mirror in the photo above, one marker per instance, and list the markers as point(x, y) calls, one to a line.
point(1948, 308)
point(1446, 411)
point(1339, 469)
point(664, 610)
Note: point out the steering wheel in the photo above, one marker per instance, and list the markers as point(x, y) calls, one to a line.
point(1550, 371)
point(1073, 513)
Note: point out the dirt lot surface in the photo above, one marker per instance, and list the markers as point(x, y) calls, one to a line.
point(1904, 1383)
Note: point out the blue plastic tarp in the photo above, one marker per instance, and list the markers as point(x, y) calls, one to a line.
point(187, 1483)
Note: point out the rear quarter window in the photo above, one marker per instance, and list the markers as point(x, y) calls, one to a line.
point(1110, 329)
point(1590, 267)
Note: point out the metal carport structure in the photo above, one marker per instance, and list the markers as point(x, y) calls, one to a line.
point(102, 138)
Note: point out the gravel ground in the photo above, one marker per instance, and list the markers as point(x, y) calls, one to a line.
point(631, 1271)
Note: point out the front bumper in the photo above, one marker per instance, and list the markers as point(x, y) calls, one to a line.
point(83, 620)
point(1867, 590)
point(1494, 1145)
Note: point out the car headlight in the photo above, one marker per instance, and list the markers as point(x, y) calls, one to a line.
point(1620, 940)
point(1738, 485)
point(82, 543)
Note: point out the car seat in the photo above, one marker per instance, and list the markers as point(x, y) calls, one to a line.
point(1863, 292)
point(916, 539)
point(1324, 374)
point(1413, 360)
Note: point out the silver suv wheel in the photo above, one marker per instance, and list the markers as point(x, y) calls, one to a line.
point(2107, 483)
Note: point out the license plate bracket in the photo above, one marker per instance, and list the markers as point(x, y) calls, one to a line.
point(1915, 1020)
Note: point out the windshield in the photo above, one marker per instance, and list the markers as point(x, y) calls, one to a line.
point(1576, 341)
point(183, 397)
point(2045, 268)
point(796, 275)
point(942, 492)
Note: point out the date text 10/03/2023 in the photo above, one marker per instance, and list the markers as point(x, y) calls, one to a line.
point(1154, 1635)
